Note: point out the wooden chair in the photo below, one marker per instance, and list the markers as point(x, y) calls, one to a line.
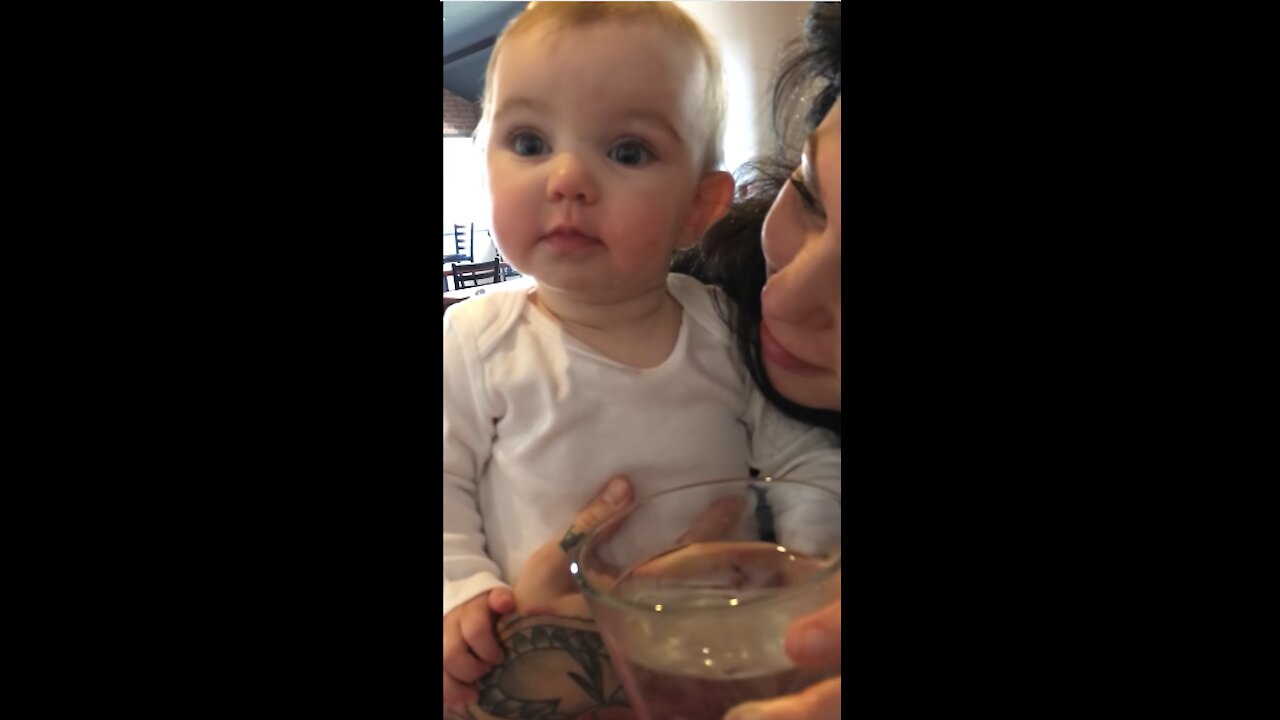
point(467, 275)
point(465, 241)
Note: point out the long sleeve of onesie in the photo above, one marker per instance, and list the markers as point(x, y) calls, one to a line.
point(468, 438)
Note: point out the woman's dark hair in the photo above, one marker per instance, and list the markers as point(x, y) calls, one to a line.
point(811, 64)
point(730, 254)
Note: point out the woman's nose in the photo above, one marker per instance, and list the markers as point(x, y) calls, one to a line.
point(805, 292)
point(571, 179)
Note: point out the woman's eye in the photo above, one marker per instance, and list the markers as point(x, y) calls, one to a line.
point(810, 202)
point(526, 144)
point(630, 153)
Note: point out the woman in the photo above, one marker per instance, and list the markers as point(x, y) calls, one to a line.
point(733, 256)
point(787, 233)
point(789, 331)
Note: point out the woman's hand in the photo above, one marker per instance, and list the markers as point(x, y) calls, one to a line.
point(812, 641)
point(546, 598)
point(545, 586)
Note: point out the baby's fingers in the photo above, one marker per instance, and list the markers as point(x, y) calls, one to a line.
point(465, 667)
point(458, 693)
point(501, 601)
point(458, 660)
point(477, 631)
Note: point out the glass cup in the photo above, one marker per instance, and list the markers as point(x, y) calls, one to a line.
point(693, 589)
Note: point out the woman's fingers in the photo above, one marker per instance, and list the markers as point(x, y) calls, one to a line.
point(617, 493)
point(814, 640)
point(545, 582)
point(717, 521)
point(715, 563)
point(817, 702)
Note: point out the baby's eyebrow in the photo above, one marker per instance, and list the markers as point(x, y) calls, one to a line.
point(657, 119)
point(516, 104)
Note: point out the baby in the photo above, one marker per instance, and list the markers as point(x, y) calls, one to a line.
point(602, 131)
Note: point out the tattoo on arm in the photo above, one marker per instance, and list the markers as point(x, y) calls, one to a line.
point(555, 669)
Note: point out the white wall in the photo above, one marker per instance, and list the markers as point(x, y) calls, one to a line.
point(751, 36)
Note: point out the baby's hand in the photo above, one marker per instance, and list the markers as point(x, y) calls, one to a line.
point(470, 645)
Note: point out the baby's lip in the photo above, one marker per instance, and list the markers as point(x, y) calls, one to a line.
point(567, 230)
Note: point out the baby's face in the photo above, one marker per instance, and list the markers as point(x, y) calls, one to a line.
point(593, 155)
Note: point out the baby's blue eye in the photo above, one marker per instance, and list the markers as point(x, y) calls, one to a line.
point(526, 144)
point(630, 153)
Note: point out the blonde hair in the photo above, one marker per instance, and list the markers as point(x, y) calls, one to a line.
point(664, 14)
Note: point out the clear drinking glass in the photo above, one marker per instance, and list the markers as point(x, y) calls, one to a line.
point(693, 589)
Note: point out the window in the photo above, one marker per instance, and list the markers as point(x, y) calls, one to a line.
point(465, 199)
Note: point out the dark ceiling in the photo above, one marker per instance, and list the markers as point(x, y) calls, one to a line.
point(470, 29)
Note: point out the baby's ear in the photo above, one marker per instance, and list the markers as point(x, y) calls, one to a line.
point(710, 203)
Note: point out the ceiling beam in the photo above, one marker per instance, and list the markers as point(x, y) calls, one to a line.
point(472, 49)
